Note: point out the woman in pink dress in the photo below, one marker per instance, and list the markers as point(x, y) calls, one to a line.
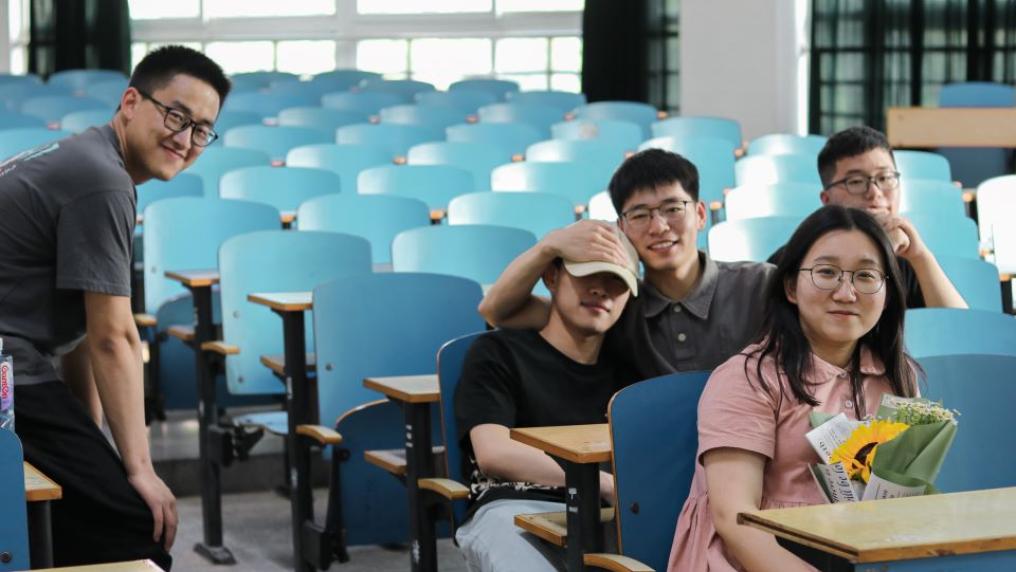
point(832, 342)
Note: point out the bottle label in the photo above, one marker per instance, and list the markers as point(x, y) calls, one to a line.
point(6, 386)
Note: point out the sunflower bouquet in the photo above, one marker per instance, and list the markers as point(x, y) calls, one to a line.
point(898, 453)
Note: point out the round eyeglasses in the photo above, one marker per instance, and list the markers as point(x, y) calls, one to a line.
point(177, 121)
point(829, 277)
point(673, 212)
point(859, 184)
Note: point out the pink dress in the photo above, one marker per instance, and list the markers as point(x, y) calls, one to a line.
point(733, 413)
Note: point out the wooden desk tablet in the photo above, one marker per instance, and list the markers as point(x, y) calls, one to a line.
point(39, 491)
point(132, 566)
point(960, 531)
point(581, 448)
point(195, 278)
point(951, 127)
point(284, 301)
point(407, 388)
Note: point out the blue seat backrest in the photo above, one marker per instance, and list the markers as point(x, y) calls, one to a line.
point(499, 88)
point(182, 185)
point(718, 127)
point(276, 141)
point(625, 134)
point(78, 80)
point(539, 116)
point(432, 184)
point(320, 118)
point(781, 199)
point(15, 120)
point(406, 88)
point(13, 514)
point(267, 104)
point(383, 325)
point(712, 156)
point(512, 138)
point(973, 165)
point(642, 114)
point(654, 438)
point(976, 280)
point(944, 331)
point(539, 213)
point(940, 199)
point(18, 140)
point(465, 100)
point(361, 102)
point(977, 94)
point(78, 121)
point(922, 165)
point(230, 119)
point(474, 251)
point(108, 91)
point(346, 160)
point(428, 116)
point(342, 79)
point(754, 239)
point(394, 138)
point(563, 100)
point(477, 158)
point(982, 388)
point(954, 237)
point(217, 160)
point(585, 151)
point(378, 218)
point(275, 261)
point(52, 108)
point(785, 143)
point(449, 371)
point(577, 182)
point(770, 169)
point(284, 188)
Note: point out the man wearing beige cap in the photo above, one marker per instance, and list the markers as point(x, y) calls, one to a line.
point(529, 378)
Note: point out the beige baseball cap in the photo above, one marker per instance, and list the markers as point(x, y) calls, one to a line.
point(629, 273)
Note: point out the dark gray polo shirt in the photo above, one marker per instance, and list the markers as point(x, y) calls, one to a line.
point(67, 224)
point(656, 335)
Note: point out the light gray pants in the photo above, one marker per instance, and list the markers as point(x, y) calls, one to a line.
point(491, 542)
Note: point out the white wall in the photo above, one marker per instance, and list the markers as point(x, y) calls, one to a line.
point(741, 59)
point(5, 39)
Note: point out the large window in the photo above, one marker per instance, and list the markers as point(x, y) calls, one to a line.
point(17, 34)
point(534, 42)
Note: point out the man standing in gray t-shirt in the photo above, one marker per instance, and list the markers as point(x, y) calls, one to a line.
point(65, 265)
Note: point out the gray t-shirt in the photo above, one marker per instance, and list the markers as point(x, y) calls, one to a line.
point(67, 213)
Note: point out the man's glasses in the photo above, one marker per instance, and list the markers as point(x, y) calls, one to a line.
point(858, 184)
point(177, 121)
point(829, 277)
point(639, 218)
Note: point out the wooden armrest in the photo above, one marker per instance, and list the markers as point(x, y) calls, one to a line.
point(715, 206)
point(472, 118)
point(436, 215)
point(449, 489)
point(969, 196)
point(221, 348)
point(579, 209)
point(661, 115)
point(394, 460)
point(615, 563)
point(145, 320)
point(399, 160)
point(739, 152)
point(277, 363)
point(320, 433)
point(553, 526)
point(1005, 277)
point(518, 158)
point(184, 333)
point(146, 352)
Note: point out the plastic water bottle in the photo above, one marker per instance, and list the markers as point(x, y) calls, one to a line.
point(6, 389)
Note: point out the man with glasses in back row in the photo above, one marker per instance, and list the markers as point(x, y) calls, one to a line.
point(65, 267)
point(858, 170)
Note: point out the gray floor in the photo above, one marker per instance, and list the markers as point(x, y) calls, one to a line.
point(256, 528)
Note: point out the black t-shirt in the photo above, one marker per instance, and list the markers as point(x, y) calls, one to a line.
point(911, 287)
point(68, 221)
point(515, 378)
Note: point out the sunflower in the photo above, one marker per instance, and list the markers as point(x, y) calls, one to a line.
point(858, 451)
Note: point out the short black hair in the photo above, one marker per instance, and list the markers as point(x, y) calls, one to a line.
point(850, 142)
point(161, 65)
point(649, 169)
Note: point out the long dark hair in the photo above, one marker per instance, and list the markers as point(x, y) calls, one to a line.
point(783, 338)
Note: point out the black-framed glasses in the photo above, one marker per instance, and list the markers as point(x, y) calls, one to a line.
point(672, 211)
point(858, 184)
point(177, 121)
point(830, 276)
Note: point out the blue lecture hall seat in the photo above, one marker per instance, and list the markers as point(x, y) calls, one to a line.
point(976, 280)
point(13, 95)
point(284, 188)
point(564, 101)
point(320, 118)
point(539, 116)
point(107, 91)
point(539, 213)
point(346, 160)
point(435, 185)
point(268, 104)
point(182, 185)
point(275, 141)
point(787, 144)
point(361, 102)
point(938, 198)
point(52, 108)
point(713, 157)
point(974, 165)
point(14, 141)
point(922, 165)
point(15, 120)
point(642, 114)
point(754, 239)
point(378, 218)
point(342, 79)
point(782, 199)
point(79, 80)
point(252, 81)
point(78, 121)
point(512, 138)
point(433, 116)
point(624, 133)
point(394, 138)
point(218, 160)
point(953, 237)
point(404, 88)
point(467, 101)
point(585, 151)
point(476, 158)
point(770, 169)
point(717, 127)
point(13, 513)
point(945, 331)
point(230, 119)
point(578, 182)
point(500, 88)
point(474, 251)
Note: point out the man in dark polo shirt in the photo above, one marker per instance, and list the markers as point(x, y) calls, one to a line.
point(858, 170)
point(693, 312)
point(65, 265)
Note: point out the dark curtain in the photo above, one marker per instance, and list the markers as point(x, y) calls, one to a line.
point(615, 49)
point(79, 34)
point(868, 55)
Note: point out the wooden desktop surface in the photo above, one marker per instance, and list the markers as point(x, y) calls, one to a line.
point(575, 443)
point(899, 529)
point(195, 278)
point(39, 487)
point(951, 127)
point(284, 301)
point(407, 388)
point(132, 566)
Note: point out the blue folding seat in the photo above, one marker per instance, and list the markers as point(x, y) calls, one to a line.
point(275, 141)
point(284, 188)
point(467, 101)
point(346, 160)
point(781, 199)
point(253, 81)
point(713, 157)
point(684, 127)
point(500, 88)
point(404, 88)
point(109, 92)
point(785, 143)
point(15, 120)
point(771, 169)
point(183, 185)
point(432, 116)
point(79, 80)
point(539, 116)
point(343, 79)
point(78, 121)
point(394, 138)
point(268, 104)
point(576, 181)
point(215, 161)
point(320, 118)
point(478, 159)
point(14, 141)
point(922, 165)
point(473, 251)
point(955, 237)
point(976, 280)
point(512, 138)
point(52, 108)
point(564, 101)
point(539, 213)
point(588, 151)
point(14, 519)
point(931, 198)
point(624, 133)
point(13, 95)
point(230, 119)
point(378, 218)
point(361, 102)
point(435, 185)
point(642, 114)
point(974, 165)
point(949, 331)
point(751, 239)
